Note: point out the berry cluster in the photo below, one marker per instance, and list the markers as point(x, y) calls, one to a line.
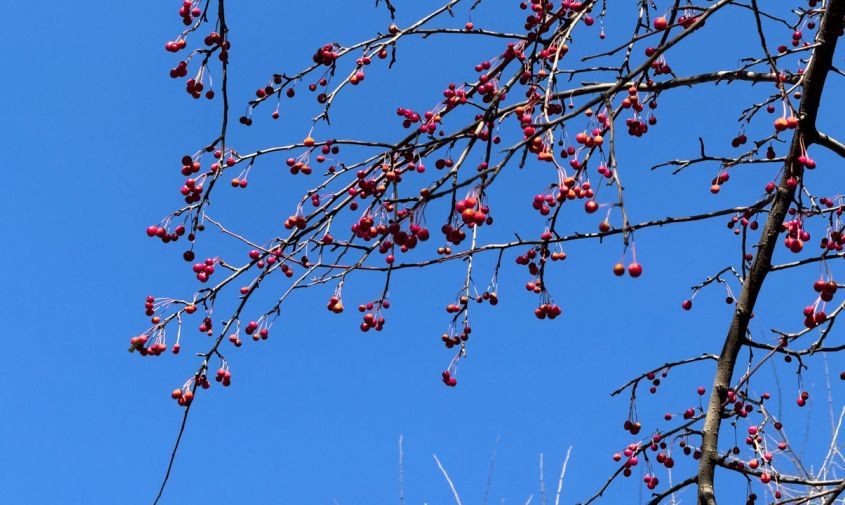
point(448, 379)
point(205, 269)
point(325, 55)
point(373, 319)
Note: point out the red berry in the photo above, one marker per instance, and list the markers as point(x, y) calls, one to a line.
point(635, 269)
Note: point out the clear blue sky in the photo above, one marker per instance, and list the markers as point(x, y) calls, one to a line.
point(93, 130)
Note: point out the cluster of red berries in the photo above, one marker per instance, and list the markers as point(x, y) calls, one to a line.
point(825, 289)
point(632, 427)
point(149, 305)
point(594, 139)
point(663, 457)
point(739, 140)
point(394, 174)
point(325, 55)
point(297, 221)
point(229, 161)
point(489, 296)
point(630, 453)
point(743, 220)
point(544, 203)
point(357, 77)
point(235, 340)
point(550, 52)
point(206, 326)
point(298, 166)
point(513, 51)
point(188, 11)
point(335, 305)
point(366, 229)
point(687, 21)
point(403, 240)
point(430, 124)
point(223, 376)
point(452, 339)
point(550, 310)
point(154, 350)
point(261, 333)
point(184, 398)
point(410, 116)
point(755, 439)
point(191, 191)
point(366, 187)
point(473, 212)
point(796, 37)
point(448, 379)
point(541, 9)
point(740, 408)
point(189, 166)
point(180, 70)
point(454, 96)
point(637, 127)
point(687, 414)
point(442, 163)
point(558, 256)
point(372, 320)
point(807, 161)
point(454, 308)
point(796, 235)
point(524, 114)
point(632, 101)
point(175, 46)
point(255, 255)
point(286, 269)
point(651, 481)
point(453, 235)
point(687, 450)
point(161, 232)
point(716, 183)
point(205, 269)
point(572, 190)
point(836, 239)
point(813, 318)
point(313, 86)
point(634, 269)
point(784, 123)
point(543, 150)
point(239, 182)
point(194, 88)
point(138, 342)
point(655, 381)
point(487, 88)
point(265, 91)
point(213, 39)
point(665, 460)
point(527, 259)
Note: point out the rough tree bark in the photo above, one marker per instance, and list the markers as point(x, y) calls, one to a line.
point(814, 80)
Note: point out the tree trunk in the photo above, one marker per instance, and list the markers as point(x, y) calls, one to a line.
point(814, 79)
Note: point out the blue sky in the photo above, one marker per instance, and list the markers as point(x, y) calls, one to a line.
point(94, 130)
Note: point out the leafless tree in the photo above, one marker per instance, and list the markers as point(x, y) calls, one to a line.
point(366, 214)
